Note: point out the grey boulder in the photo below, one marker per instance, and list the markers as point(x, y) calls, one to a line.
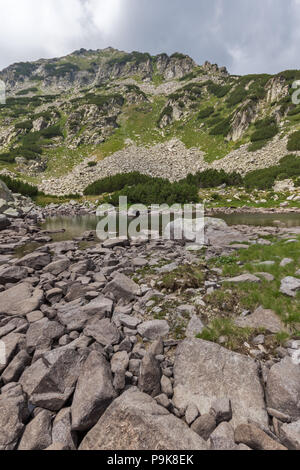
point(134, 421)
point(94, 392)
point(283, 388)
point(205, 372)
point(20, 300)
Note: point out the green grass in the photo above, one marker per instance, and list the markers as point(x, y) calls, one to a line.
point(267, 294)
point(234, 335)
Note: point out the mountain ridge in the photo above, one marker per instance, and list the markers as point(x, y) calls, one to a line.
point(91, 104)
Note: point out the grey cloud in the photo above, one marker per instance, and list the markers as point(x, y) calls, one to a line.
point(248, 36)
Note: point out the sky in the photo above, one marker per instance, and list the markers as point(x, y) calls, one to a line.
point(247, 36)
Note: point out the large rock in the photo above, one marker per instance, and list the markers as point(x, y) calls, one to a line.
point(122, 287)
point(58, 266)
point(153, 329)
point(12, 418)
point(50, 381)
point(37, 434)
point(134, 421)
point(205, 371)
point(103, 331)
point(10, 345)
point(94, 392)
point(4, 222)
point(262, 318)
point(243, 278)
point(290, 435)
point(283, 388)
point(193, 230)
point(20, 300)
point(290, 286)
point(255, 438)
point(36, 260)
point(61, 430)
point(12, 274)
point(42, 333)
point(5, 193)
point(150, 375)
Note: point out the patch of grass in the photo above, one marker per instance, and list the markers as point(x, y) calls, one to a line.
point(185, 277)
point(234, 335)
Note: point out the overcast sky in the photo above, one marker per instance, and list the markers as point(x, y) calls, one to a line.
point(248, 36)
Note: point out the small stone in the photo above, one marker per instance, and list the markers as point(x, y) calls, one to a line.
point(191, 413)
point(204, 426)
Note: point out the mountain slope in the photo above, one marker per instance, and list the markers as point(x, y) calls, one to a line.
point(95, 103)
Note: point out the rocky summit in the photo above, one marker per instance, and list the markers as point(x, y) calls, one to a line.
point(69, 121)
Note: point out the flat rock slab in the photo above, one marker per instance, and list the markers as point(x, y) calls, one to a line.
point(153, 329)
point(122, 287)
point(283, 388)
point(290, 286)
point(35, 260)
point(20, 300)
point(205, 372)
point(134, 421)
point(262, 318)
point(243, 278)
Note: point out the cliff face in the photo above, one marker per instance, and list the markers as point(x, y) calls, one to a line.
point(84, 68)
point(96, 103)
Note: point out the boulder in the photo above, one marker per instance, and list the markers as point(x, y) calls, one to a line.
point(37, 434)
point(61, 430)
point(12, 418)
point(16, 367)
point(283, 388)
point(221, 410)
point(122, 287)
point(255, 438)
point(194, 328)
point(222, 438)
point(103, 331)
point(205, 372)
point(36, 260)
point(204, 426)
point(150, 375)
point(262, 318)
point(290, 286)
point(243, 278)
point(4, 222)
point(134, 421)
point(20, 300)
point(290, 435)
point(50, 381)
point(94, 392)
point(5, 193)
point(42, 333)
point(153, 329)
point(10, 345)
point(59, 266)
point(12, 274)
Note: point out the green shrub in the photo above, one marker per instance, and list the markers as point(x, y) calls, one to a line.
point(238, 95)
point(223, 128)
point(213, 178)
point(206, 112)
point(289, 167)
point(28, 90)
point(92, 164)
point(114, 183)
point(24, 125)
point(218, 90)
point(294, 142)
point(18, 186)
point(264, 134)
point(59, 70)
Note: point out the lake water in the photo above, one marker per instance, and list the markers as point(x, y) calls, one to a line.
point(75, 226)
